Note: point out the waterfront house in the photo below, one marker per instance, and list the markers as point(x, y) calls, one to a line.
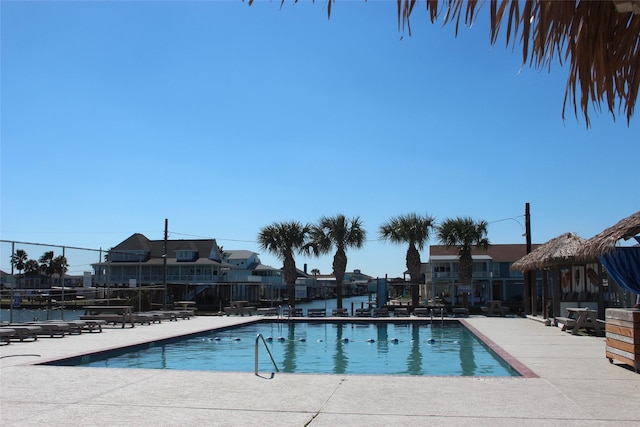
point(194, 269)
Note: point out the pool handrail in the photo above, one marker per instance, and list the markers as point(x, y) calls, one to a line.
point(258, 338)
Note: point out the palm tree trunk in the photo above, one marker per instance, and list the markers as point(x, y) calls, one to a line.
point(339, 267)
point(413, 265)
point(466, 274)
point(290, 275)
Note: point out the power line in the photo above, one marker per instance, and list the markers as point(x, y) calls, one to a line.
point(513, 218)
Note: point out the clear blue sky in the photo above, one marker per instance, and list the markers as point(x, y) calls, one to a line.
point(224, 118)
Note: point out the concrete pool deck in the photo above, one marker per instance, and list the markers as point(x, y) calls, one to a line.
point(576, 385)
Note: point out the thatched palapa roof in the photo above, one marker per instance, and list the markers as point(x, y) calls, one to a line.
point(597, 40)
point(559, 251)
point(606, 240)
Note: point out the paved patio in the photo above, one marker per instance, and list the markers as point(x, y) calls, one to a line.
point(575, 386)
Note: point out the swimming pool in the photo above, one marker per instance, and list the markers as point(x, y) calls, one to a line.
point(380, 348)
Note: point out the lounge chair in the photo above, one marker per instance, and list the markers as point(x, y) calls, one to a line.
point(24, 332)
point(6, 334)
point(53, 328)
point(170, 315)
point(93, 325)
point(143, 318)
point(108, 318)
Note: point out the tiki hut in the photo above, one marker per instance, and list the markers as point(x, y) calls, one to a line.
point(607, 240)
point(558, 253)
point(622, 263)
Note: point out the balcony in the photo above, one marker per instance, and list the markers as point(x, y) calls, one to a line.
point(455, 275)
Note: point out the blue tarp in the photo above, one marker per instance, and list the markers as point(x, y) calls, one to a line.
point(623, 265)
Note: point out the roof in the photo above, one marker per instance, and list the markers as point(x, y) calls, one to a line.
point(239, 254)
point(155, 248)
point(606, 241)
point(497, 252)
point(559, 251)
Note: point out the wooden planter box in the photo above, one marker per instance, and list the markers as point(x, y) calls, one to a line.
point(623, 336)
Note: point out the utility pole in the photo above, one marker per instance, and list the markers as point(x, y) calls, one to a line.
point(13, 283)
point(62, 283)
point(164, 263)
point(530, 296)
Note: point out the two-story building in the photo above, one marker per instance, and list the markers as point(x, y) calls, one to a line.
point(491, 279)
point(188, 269)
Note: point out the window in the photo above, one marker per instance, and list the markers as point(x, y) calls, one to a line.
point(186, 255)
point(128, 256)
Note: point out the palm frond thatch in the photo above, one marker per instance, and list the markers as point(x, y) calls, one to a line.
point(559, 251)
point(597, 39)
point(606, 241)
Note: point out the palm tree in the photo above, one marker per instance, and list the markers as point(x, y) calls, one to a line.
point(31, 266)
point(46, 264)
point(19, 259)
point(59, 266)
point(414, 230)
point(315, 271)
point(339, 232)
point(283, 239)
point(463, 233)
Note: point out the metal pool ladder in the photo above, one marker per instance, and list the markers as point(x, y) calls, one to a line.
point(258, 338)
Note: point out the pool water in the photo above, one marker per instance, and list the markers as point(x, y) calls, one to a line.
point(337, 348)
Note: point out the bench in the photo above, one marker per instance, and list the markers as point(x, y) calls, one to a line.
point(316, 312)
point(380, 312)
point(438, 311)
point(566, 322)
point(267, 311)
point(292, 312)
point(251, 310)
point(460, 312)
point(401, 312)
point(339, 312)
point(363, 312)
point(421, 312)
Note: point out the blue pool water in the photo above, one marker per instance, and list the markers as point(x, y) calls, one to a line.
point(338, 348)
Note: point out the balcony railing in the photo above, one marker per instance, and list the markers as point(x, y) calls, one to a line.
point(455, 274)
point(186, 279)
